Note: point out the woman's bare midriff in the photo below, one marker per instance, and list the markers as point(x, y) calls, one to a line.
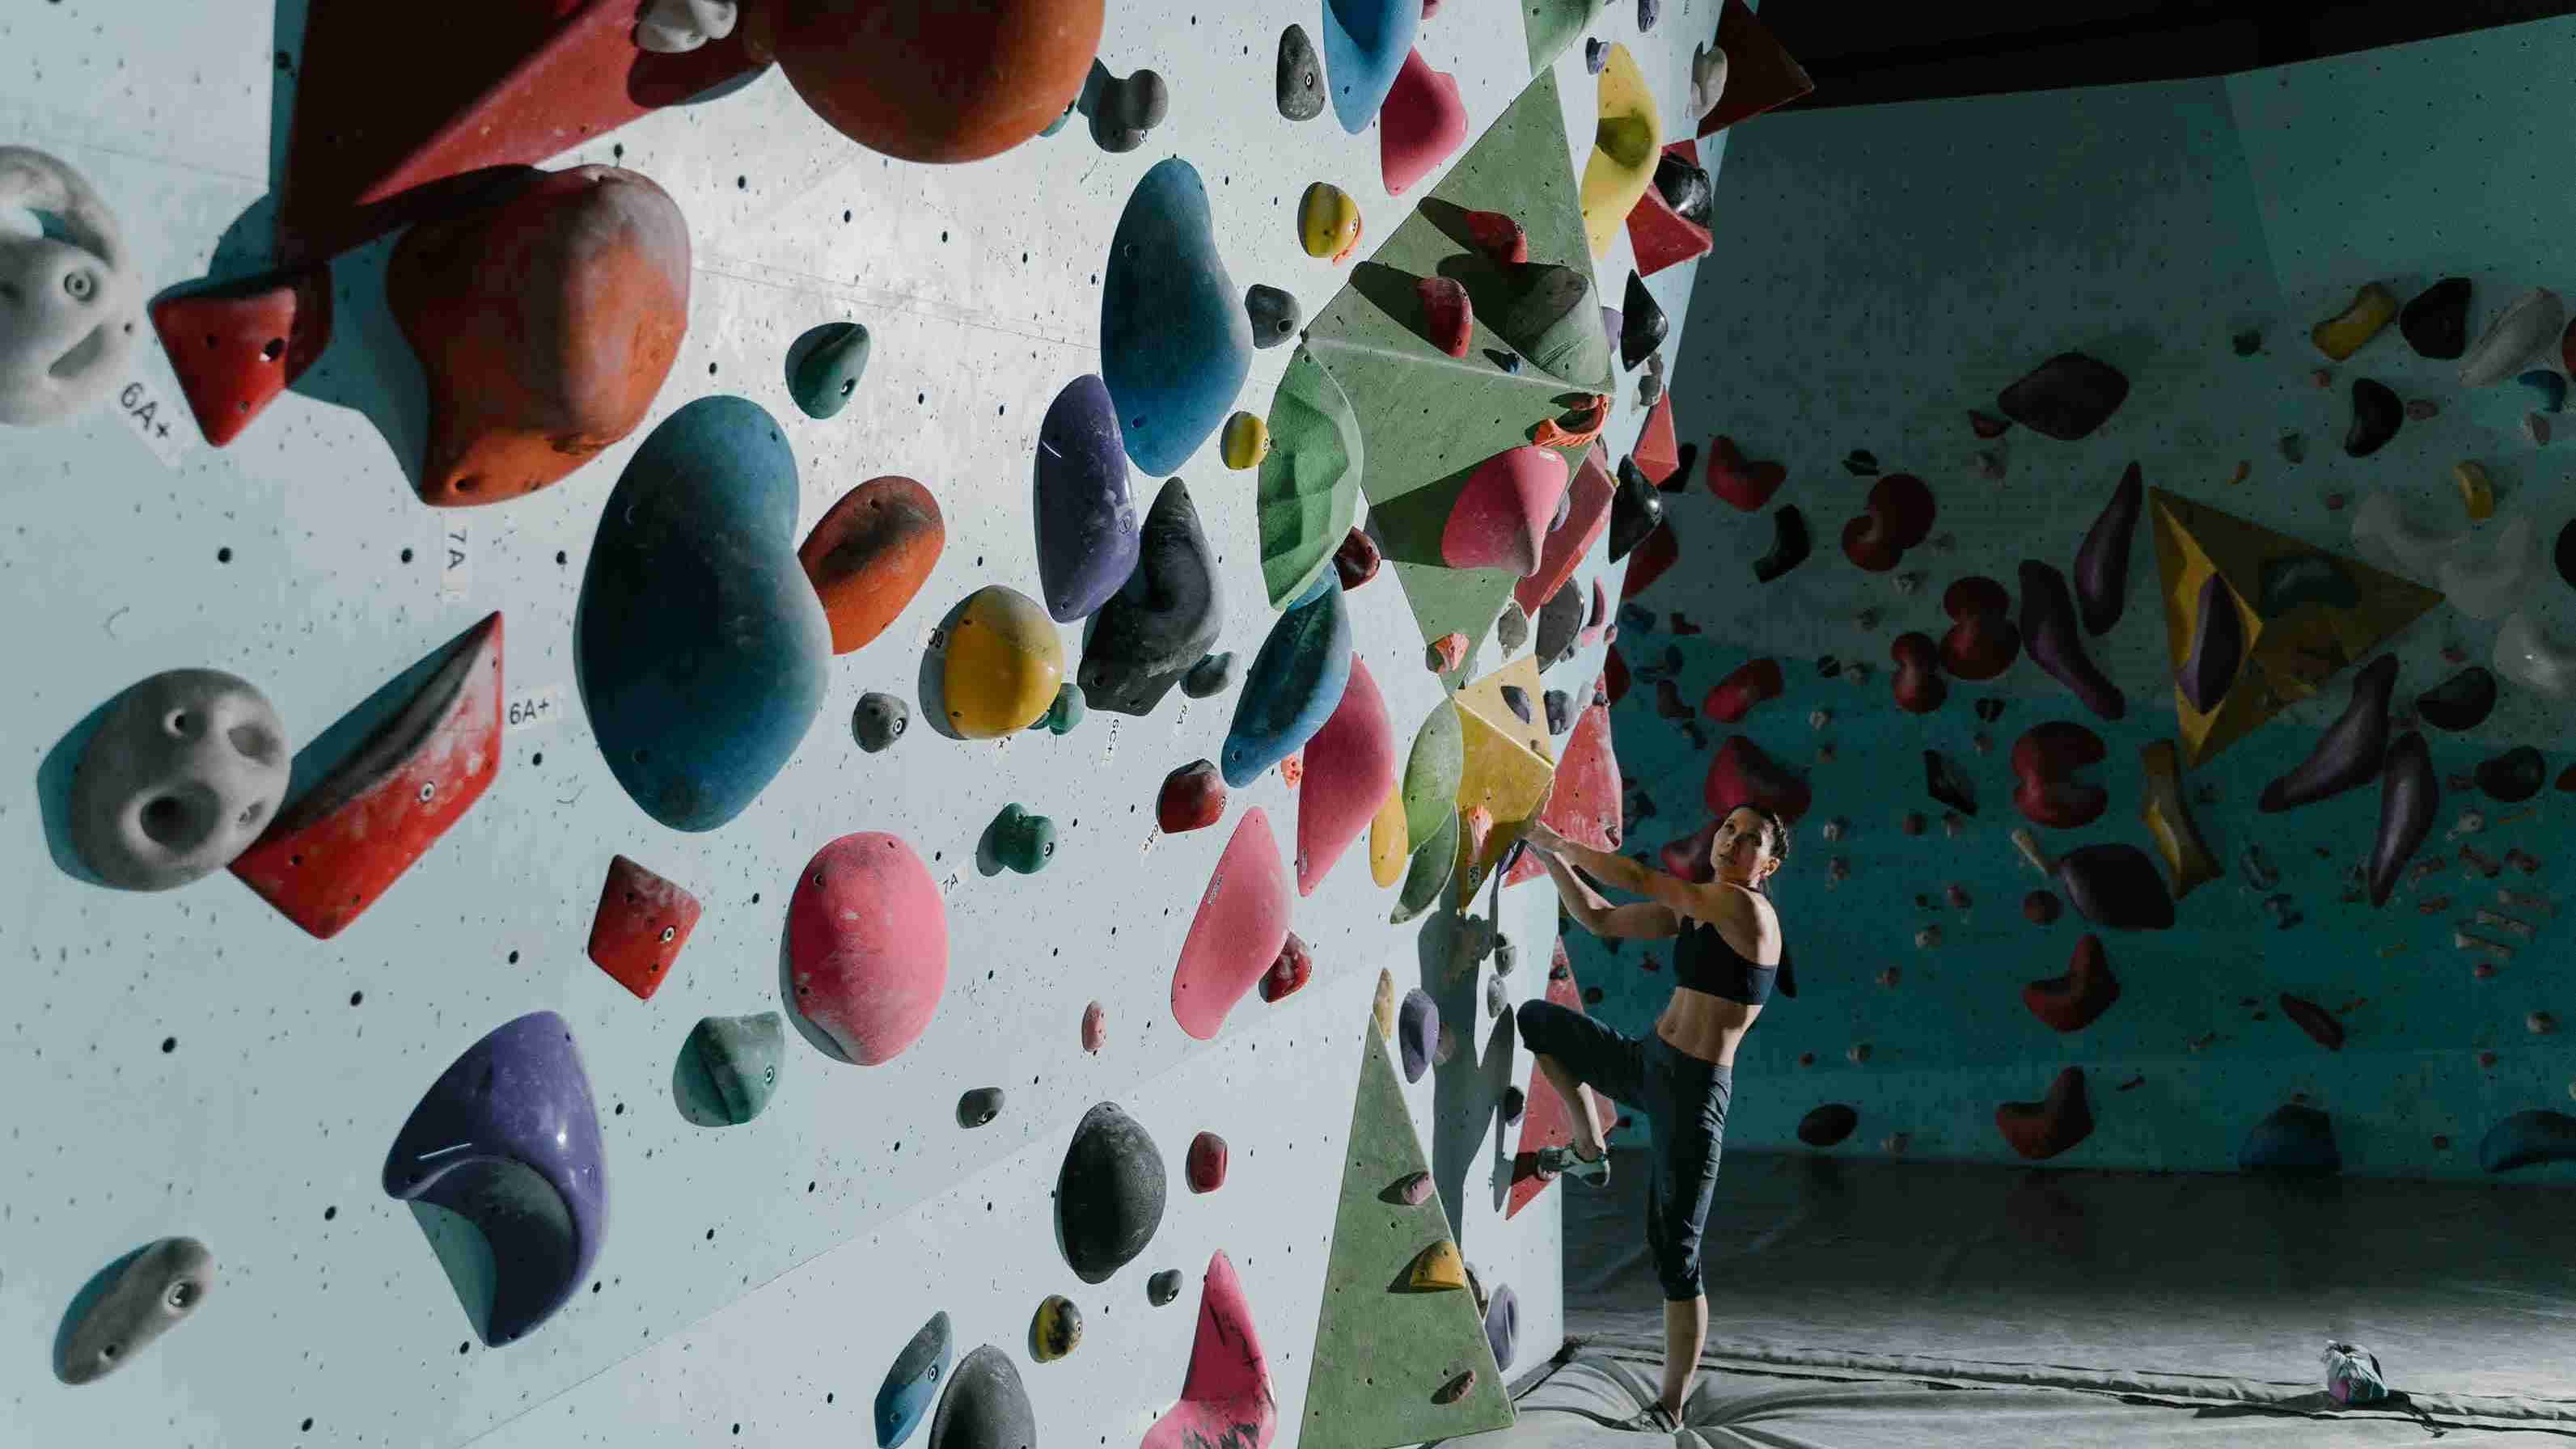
point(1698, 1024)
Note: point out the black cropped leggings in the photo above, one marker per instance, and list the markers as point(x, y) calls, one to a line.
point(1684, 1100)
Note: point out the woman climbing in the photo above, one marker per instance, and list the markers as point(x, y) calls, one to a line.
point(1724, 967)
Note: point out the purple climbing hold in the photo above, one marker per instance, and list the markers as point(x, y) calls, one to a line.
point(2350, 750)
point(2217, 647)
point(1086, 512)
point(1417, 1030)
point(2048, 631)
point(2102, 564)
point(2409, 793)
point(2526, 1138)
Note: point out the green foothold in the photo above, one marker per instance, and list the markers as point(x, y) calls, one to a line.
point(1310, 480)
point(824, 365)
point(1023, 842)
point(740, 1055)
point(1428, 875)
point(1067, 710)
point(1431, 773)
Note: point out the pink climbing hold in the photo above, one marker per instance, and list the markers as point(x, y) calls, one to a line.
point(1447, 315)
point(1500, 519)
point(1095, 1028)
point(1419, 124)
point(1477, 827)
point(1242, 921)
point(1587, 513)
point(1226, 1398)
point(1206, 1166)
point(1499, 237)
point(1350, 767)
point(1585, 803)
point(867, 945)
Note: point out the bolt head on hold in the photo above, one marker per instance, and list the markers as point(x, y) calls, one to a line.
point(879, 721)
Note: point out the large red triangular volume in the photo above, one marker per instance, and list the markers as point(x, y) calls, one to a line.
point(238, 346)
point(1585, 804)
point(1226, 1399)
point(1759, 74)
point(1686, 148)
point(1658, 454)
point(1544, 1120)
point(491, 83)
point(1661, 236)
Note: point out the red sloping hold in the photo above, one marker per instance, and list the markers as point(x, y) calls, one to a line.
point(1686, 148)
point(1350, 768)
point(1663, 237)
point(1586, 515)
point(237, 347)
point(1661, 549)
point(1241, 923)
point(1419, 124)
point(493, 83)
point(1585, 804)
point(1544, 1119)
point(2047, 1127)
point(1658, 453)
point(1499, 519)
point(1614, 676)
point(867, 945)
point(642, 922)
point(1741, 774)
point(1759, 73)
point(1226, 1399)
point(327, 857)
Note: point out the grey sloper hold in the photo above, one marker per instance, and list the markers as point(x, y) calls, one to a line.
point(1512, 626)
point(1163, 1287)
point(157, 1289)
point(741, 1056)
point(985, 1407)
point(1109, 1194)
point(979, 1106)
point(1162, 620)
point(185, 770)
point(879, 721)
point(1275, 314)
point(1301, 76)
point(69, 308)
point(2531, 323)
point(1123, 110)
point(1560, 619)
point(1212, 675)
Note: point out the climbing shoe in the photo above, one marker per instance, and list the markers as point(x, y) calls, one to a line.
point(1561, 1162)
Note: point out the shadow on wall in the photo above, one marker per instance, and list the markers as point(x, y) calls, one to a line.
point(1467, 1090)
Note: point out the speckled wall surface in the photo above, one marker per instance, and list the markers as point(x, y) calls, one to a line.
point(1882, 271)
point(190, 1063)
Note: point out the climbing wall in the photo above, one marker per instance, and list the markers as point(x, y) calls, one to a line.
point(683, 923)
point(1885, 282)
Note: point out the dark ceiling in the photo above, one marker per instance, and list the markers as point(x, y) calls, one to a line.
point(1869, 53)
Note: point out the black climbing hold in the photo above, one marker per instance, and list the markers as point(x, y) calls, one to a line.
point(2217, 647)
point(879, 721)
point(1514, 1102)
point(977, 1107)
point(1596, 54)
point(2564, 554)
point(2248, 342)
point(1516, 699)
point(1560, 619)
point(986, 1406)
point(1163, 1287)
point(2377, 413)
point(1634, 510)
point(2461, 702)
point(2066, 397)
point(1301, 76)
point(1943, 782)
point(1789, 545)
point(1274, 313)
point(1861, 463)
point(1642, 324)
point(1685, 187)
point(1560, 711)
point(2436, 323)
point(1109, 1196)
point(1212, 675)
point(1162, 619)
point(2513, 776)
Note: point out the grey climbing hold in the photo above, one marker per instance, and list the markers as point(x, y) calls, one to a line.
point(1516, 699)
point(1512, 627)
point(1301, 76)
point(1163, 619)
point(824, 366)
point(1274, 313)
point(1109, 1195)
point(155, 1291)
point(1554, 320)
point(986, 1406)
point(1560, 620)
point(1163, 1287)
point(979, 1106)
point(1494, 997)
point(184, 771)
point(1212, 675)
point(1506, 955)
point(1650, 390)
point(1122, 111)
point(1560, 711)
point(1648, 12)
point(879, 721)
point(1503, 1324)
point(1417, 1033)
point(741, 1056)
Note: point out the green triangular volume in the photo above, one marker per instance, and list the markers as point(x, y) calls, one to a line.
point(1310, 483)
point(1382, 1355)
point(1551, 26)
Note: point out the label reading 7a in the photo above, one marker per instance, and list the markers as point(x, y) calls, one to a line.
point(456, 561)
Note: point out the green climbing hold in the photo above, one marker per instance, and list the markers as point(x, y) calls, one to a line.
point(824, 366)
point(1431, 772)
point(740, 1056)
point(1428, 875)
point(1023, 842)
point(1310, 481)
point(1067, 711)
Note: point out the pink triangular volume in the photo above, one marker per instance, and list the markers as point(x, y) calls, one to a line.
point(1350, 767)
point(1226, 1399)
point(1241, 923)
point(1421, 122)
point(1501, 517)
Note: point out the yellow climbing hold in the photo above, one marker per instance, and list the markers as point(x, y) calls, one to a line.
point(1328, 221)
point(1388, 843)
point(1056, 1330)
point(2476, 493)
point(1507, 770)
point(1384, 1008)
point(1627, 141)
point(2341, 335)
point(1247, 441)
point(1437, 1269)
point(1005, 662)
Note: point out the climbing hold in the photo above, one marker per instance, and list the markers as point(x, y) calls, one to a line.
point(508, 1126)
point(2436, 323)
point(2048, 630)
point(1300, 76)
point(236, 347)
point(1272, 314)
point(739, 1057)
point(979, 1106)
point(1827, 1125)
point(2546, 390)
point(1003, 663)
point(1636, 509)
point(639, 927)
point(1122, 110)
point(2513, 776)
point(1192, 798)
point(1560, 711)
point(1435, 859)
point(1981, 642)
point(2409, 794)
point(2112, 885)
point(1211, 676)
point(1293, 685)
point(1175, 345)
point(1436, 1269)
point(1021, 841)
point(1559, 624)
point(1063, 716)
point(1512, 626)
point(1244, 442)
point(1417, 1024)
point(2044, 762)
point(1085, 510)
point(154, 1291)
point(2477, 494)
point(1095, 1028)
point(1350, 772)
point(2376, 415)
point(1431, 772)
point(1055, 1330)
point(870, 553)
point(2528, 1138)
point(936, 84)
point(867, 945)
point(2342, 335)
point(879, 720)
point(1500, 517)
point(1596, 53)
point(1788, 547)
point(1356, 561)
point(1163, 1287)
point(1328, 222)
point(2350, 750)
point(1741, 774)
point(2522, 329)
point(68, 309)
point(2050, 1126)
point(912, 1383)
point(1550, 317)
point(1642, 324)
point(1165, 617)
point(2217, 647)
point(2040, 908)
point(1420, 124)
point(2533, 660)
point(1917, 684)
point(2102, 564)
point(2066, 397)
point(1309, 483)
point(2077, 999)
point(378, 808)
point(1226, 1397)
point(181, 774)
point(2313, 1019)
point(985, 1407)
point(1290, 972)
point(824, 366)
point(1446, 654)
point(1365, 44)
point(2168, 819)
point(1683, 185)
point(1389, 843)
point(2295, 1140)
point(1456, 1388)
point(545, 324)
point(1240, 924)
point(1734, 697)
point(1109, 1194)
point(1448, 318)
point(1206, 1163)
point(1627, 140)
point(1739, 481)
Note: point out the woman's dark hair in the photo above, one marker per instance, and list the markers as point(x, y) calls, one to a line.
point(1775, 830)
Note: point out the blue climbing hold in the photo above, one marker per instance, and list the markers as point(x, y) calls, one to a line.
point(912, 1385)
point(824, 367)
point(1175, 344)
point(2295, 1140)
point(2526, 1138)
point(698, 643)
point(1294, 684)
point(1086, 512)
point(1365, 43)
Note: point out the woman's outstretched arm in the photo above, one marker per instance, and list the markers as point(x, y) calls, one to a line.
point(1638, 920)
point(1671, 894)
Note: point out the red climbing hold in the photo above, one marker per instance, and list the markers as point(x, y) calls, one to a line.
point(1918, 685)
point(1498, 237)
point(1647, 562)
point(1899, 516)
point(1760, 73)
point(1983, 641)
point(1226, 1399)
point(1658, 454)
point(1357, 559)
point(1585, 803)
point(1192, 798)
point(867, 945)
point(1500, 518)
point(2313, 1019)
point(1739, 481)
point(1545, 1122)
point(1448, 319)
point(1350, 770)
point(1206, 1165)
point(1734, 697)
point(2075, 1000)
point(2041, 908)
point(1419, 124)
point(237, 347)
point(642, 922)
point(1741, 774)
point(329, 854)
point(1587, 513)
point(1242, 921)
point(1614, 677)
point(1687, 857)
point(1662, 237)
point(2044, 762)
point(2052, 1125)
point(1294, 968)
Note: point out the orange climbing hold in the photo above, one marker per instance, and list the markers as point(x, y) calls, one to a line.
point(1587, 420)
point(932, 82)
point(1350, 772)
point(1235, 937)
point(870, 553)
point(236, 348)
point(642, 922)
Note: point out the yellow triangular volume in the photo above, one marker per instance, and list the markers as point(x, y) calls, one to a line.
point(2305, 613)
point(1508, 767)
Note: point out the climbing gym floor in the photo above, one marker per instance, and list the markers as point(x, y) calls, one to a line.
point(1848, 1300)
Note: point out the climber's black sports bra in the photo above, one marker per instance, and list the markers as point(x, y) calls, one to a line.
point(1705, 961)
